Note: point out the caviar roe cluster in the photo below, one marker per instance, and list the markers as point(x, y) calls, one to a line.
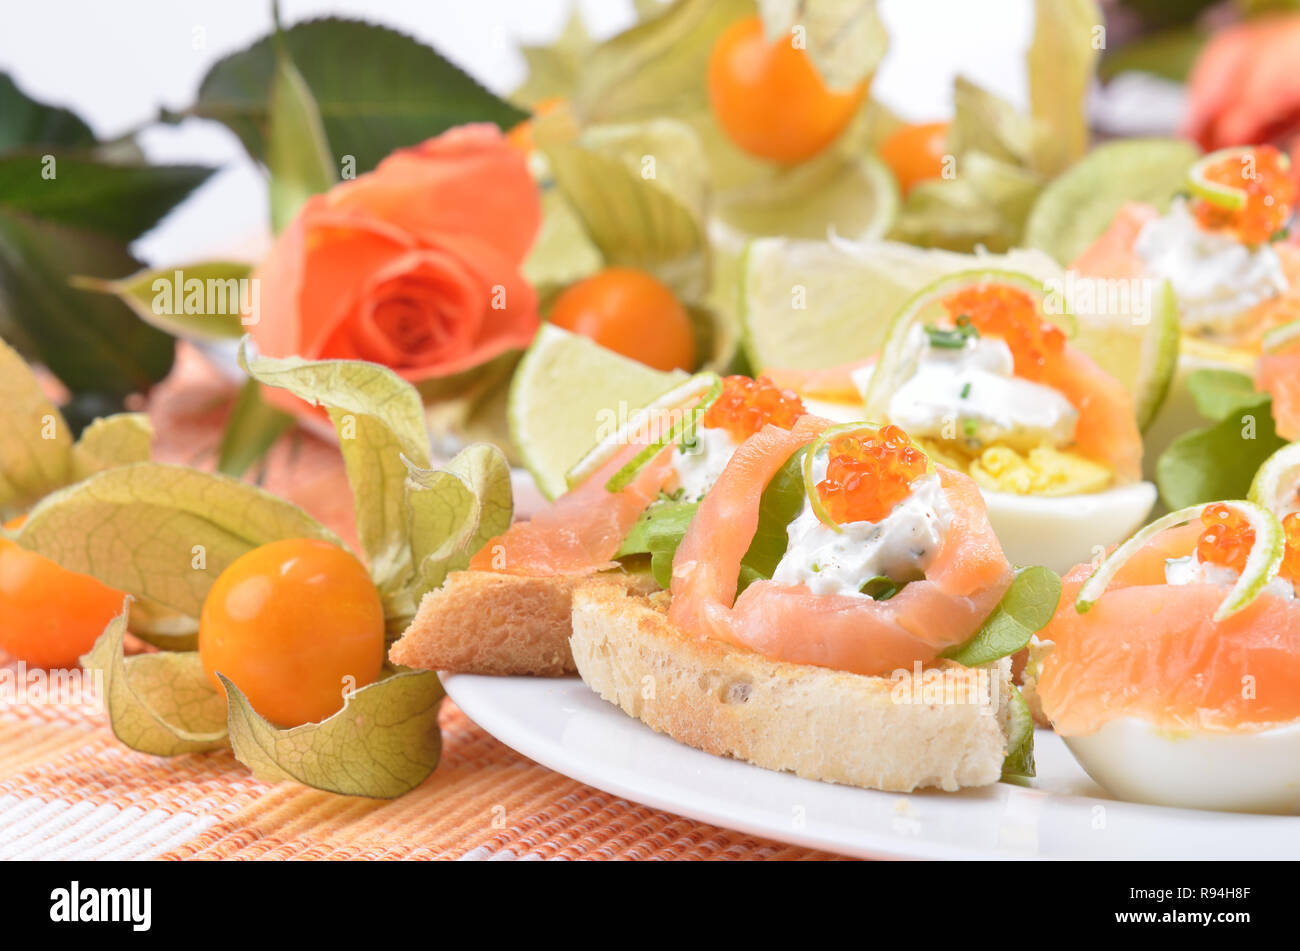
point(1000, 310)
point(1264, 174)
point(868, 473)
point(746, 406)
point(1228, 538)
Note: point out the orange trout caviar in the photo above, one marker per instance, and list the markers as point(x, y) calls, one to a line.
point(1000, 310)
point(1270, 195)
point(746, 406)
point(1227, 538)
point(868, 473)
point(1291, 560)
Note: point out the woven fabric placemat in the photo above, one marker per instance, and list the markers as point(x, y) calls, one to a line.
point(69, 789)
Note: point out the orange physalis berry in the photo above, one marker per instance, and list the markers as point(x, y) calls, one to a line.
point(1000, 310)
point(746, 406)
point(1270, 195)
point(1227, 538)
point(1291, 560)
point(868, 473)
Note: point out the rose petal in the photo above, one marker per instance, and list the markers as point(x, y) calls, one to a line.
point(469, 181)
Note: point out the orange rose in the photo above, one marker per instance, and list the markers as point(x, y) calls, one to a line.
point(415, 265)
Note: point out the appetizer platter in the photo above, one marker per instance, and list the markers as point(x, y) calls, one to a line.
point(715, 437)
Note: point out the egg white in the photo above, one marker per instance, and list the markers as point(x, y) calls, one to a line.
point(1240, 771)
point(1060, 532)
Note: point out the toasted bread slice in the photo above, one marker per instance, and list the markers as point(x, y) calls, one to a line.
point(815, 722)
point(485, 622)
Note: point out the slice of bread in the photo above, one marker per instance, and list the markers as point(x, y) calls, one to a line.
point(815, 722)
point(486, 622)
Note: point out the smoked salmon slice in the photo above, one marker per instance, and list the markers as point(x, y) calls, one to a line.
point(581, 532)
point(1278, 374)
point(1114, 255)
point(789, 622)
point(1152, 651)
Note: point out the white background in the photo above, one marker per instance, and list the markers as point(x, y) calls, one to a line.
point(118, 63)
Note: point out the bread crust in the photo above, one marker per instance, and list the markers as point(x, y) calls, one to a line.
point(488, 622)
point(812, 721)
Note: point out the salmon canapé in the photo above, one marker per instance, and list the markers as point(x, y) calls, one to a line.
point(925, 536)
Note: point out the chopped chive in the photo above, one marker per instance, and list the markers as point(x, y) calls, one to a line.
point(970, 428)
point(880, 588)
point(965, 390)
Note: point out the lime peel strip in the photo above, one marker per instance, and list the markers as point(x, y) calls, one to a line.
point(1229, 197)
point(1266, 488)
point(1281, 337)
point(1262, 563)
point(604, 450)
point(682, 429)
point(820, 443)
point(892, 354)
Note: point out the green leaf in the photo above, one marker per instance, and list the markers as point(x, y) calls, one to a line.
point(1219, 393)
point(782, 500)
point(111, 441)
point(656, 68)
point(1079, 205)
point(297, 152)
point(1019, 763)
point(1025, 609)
point(251, 430)
point(639, 191)
point(159, 531)
point(845, 39)
point(455, 510)
point(203, 301)
point(161, 704)
point(26, 122)
point(657, 533)
point(1219, 461)
point(986, 205)
point(79, 191)
point(379, 418)
point(92, 343)
point(383, 743)
point(553, 69)
point(376, 89)
point(35, 443)
point(1061, 62)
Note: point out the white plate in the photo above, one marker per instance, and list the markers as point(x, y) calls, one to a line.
point(564, 726)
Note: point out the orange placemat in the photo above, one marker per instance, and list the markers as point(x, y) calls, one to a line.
point(68, 789)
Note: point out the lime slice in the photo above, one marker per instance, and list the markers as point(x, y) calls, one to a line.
point(1278, 480)
point(640, 421)
point(681, 429)
point(565, 391)
point(1280, 338)
point(892, 369)
point(1217, 193)
point(856, 197)
point(1138, 348)
point(810, 305)
point(1079, 205)
point(1262, 563)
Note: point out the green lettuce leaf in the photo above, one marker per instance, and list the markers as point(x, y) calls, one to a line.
point(1218, 393)
point(657, 533)
point(158, 531)
point(1019, 763)
point(383, 743)
point(455, 510)
point(1218, 461)
point(379, 419)
point(782, 500)
point(163, 703)
point(1024, 610)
